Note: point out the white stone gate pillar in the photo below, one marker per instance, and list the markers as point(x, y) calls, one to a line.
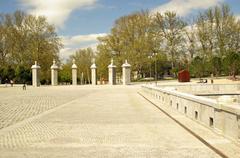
point(112, 73)
point(54, 74)
point(74, 73)
point(94, 73)
point(126, 73)
point(35, 75)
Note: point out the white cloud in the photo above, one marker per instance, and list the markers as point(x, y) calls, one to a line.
point(73, 43)
point(81, 39)
point(66, 52)
point(184, 7)
point(56, 11)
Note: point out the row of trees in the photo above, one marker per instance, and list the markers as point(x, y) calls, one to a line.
point(206, 44)
point(24, 39)
point(217, 37)
point(209, 43)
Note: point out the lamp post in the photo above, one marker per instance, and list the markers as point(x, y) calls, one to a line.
point(155, 68)
point(155, 55)
point(150, 57)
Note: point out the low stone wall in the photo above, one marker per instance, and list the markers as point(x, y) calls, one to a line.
point(236, 97)
point(222, 116)
point(201, 88)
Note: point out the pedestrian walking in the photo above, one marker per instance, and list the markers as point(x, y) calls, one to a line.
point(11, 82)
point(212, 78)
point(24, 86)
point(6, 82)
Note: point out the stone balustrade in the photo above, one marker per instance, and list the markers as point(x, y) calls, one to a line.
point(220, 115)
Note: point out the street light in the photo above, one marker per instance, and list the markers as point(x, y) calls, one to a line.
point(155, 55)
point(150, 57)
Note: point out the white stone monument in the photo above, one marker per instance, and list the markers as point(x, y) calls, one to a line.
point(54, 74)
point(112, 73)
point(35, 75)
point(126, 73)
point(74, 73)
point(94, 73)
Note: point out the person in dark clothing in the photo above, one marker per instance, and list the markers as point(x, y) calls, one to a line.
point(24, 86)
point(11, 82)
point(6, 82)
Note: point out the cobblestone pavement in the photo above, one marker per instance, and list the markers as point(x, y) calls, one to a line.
point(17, 105)
point(85, 121)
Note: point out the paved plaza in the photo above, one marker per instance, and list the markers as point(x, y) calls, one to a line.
point(91, 121)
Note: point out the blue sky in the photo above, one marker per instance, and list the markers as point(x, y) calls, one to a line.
point(80, 22)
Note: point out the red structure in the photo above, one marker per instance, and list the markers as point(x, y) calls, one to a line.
point(183, 76)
